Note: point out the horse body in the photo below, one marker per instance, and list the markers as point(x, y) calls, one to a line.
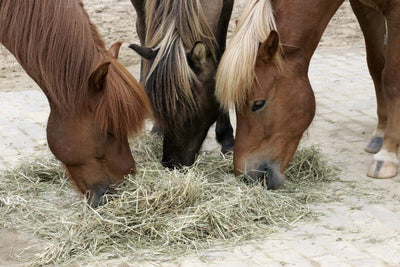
point(94, 102)
point(184, 40)
point(279, 103)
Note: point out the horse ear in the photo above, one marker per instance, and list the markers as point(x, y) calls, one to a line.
point(143, 51)
point(198, 54)
point(269, 47)
point(114, 49)
point(98, 76)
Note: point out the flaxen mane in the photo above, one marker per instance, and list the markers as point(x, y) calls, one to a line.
point(236, 71)
point(59, 47)
point(173, 28)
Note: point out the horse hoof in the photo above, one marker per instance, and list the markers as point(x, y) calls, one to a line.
point(382, 169)
point(374, 145)
point(157, 130)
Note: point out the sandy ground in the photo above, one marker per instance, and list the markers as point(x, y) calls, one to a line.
point(116, 22)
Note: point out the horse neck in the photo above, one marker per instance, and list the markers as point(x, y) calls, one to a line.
point(57, 57)
point(301, 25)
point(212, 11)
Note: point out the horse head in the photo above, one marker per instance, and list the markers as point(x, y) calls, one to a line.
point(273, 98)
point(182, 95)
point(272, 119)
point(93, 144)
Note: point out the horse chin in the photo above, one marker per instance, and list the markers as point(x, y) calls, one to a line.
point(178, 154)
point(178, 161)
point(264, 172)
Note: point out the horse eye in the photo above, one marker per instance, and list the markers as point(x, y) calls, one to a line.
point(257, 105)
point(110, 134)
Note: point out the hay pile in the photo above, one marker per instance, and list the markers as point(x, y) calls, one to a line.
point(158, 211)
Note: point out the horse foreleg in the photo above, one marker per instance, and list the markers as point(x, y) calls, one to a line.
point(224, 132)
point(140, 19)
point(372, 24)
point(385, 162)
point(139, 6)
point(223, 129)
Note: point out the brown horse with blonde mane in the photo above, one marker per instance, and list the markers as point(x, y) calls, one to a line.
point(95, 103)
point(265, 75)
point(184, 40)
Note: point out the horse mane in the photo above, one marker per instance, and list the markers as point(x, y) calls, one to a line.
point(236, 70)
point(59, 47)
point(173, 27)
point(124, 104)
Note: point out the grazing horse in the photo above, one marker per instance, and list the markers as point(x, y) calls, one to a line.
point(182, 42)
point(265, 75)
point(94, 101)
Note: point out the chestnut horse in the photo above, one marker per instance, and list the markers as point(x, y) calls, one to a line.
point(183, 41)
point(94, 101)
point(265, 76)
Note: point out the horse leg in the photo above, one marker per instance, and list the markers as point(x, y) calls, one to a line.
point(139, 6)
point(223, 128)
point(372, 24)
point(223, 25)
point(385, 162)
point(140, 19)
point(224, 132)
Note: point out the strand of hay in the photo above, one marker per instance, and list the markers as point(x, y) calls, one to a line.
point(158, 212)
point(307, 174)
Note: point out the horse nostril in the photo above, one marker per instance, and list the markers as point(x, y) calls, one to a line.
point(266, 170)
point(96, 196)
point(267, 174)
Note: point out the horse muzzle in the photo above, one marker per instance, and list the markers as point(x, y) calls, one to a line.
point(265, 173)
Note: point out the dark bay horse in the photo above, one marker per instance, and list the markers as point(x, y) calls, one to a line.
point(265, 75)
point(182, 42)
point(94, 101)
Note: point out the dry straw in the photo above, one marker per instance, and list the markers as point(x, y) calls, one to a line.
point(157, 213)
